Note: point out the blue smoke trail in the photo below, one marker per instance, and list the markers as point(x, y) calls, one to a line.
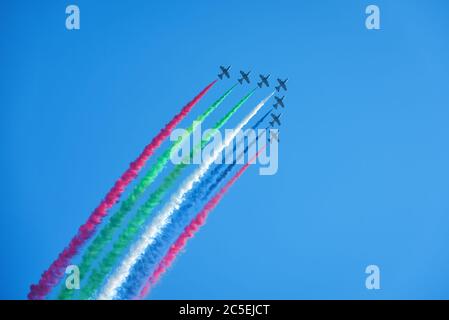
point(218, 167)
point(145, 266)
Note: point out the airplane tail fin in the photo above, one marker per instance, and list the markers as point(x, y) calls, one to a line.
point(259, 84)
point(220, 76)
point(240, 80)
point(275, 106)
point(278, 88)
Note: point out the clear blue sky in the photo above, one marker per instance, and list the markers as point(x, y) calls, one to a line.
point(363, 176)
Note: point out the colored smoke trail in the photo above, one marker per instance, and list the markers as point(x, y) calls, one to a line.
point(144, 267)
point(132, 229)
point(227, 170)
point(256, 125)
point(160, 221)
point(54, 273)
point(191, 229)
point(205, 194)
point(106, 234)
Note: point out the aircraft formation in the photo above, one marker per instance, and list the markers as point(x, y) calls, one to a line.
point(264, 81)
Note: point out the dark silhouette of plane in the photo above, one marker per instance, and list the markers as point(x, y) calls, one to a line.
point(224, 72)
point(264, 81)
point(273, 136)
point(281, 85)
point(279, 102)
point(244, 77)
point(275, 119)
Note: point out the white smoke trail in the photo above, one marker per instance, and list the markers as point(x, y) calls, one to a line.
point(162, 219)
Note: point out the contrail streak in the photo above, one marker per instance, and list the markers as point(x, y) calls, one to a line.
point(144, 267)
point(191, 229)
point(106, 234)
point(220, 166)
point(159, 222)
point(54, 273)
point(134, 226)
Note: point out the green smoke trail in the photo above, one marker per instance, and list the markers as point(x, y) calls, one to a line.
point(97, 276)
point(106, 234)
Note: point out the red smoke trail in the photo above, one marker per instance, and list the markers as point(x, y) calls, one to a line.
point(56, 270)
point(192, 228)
